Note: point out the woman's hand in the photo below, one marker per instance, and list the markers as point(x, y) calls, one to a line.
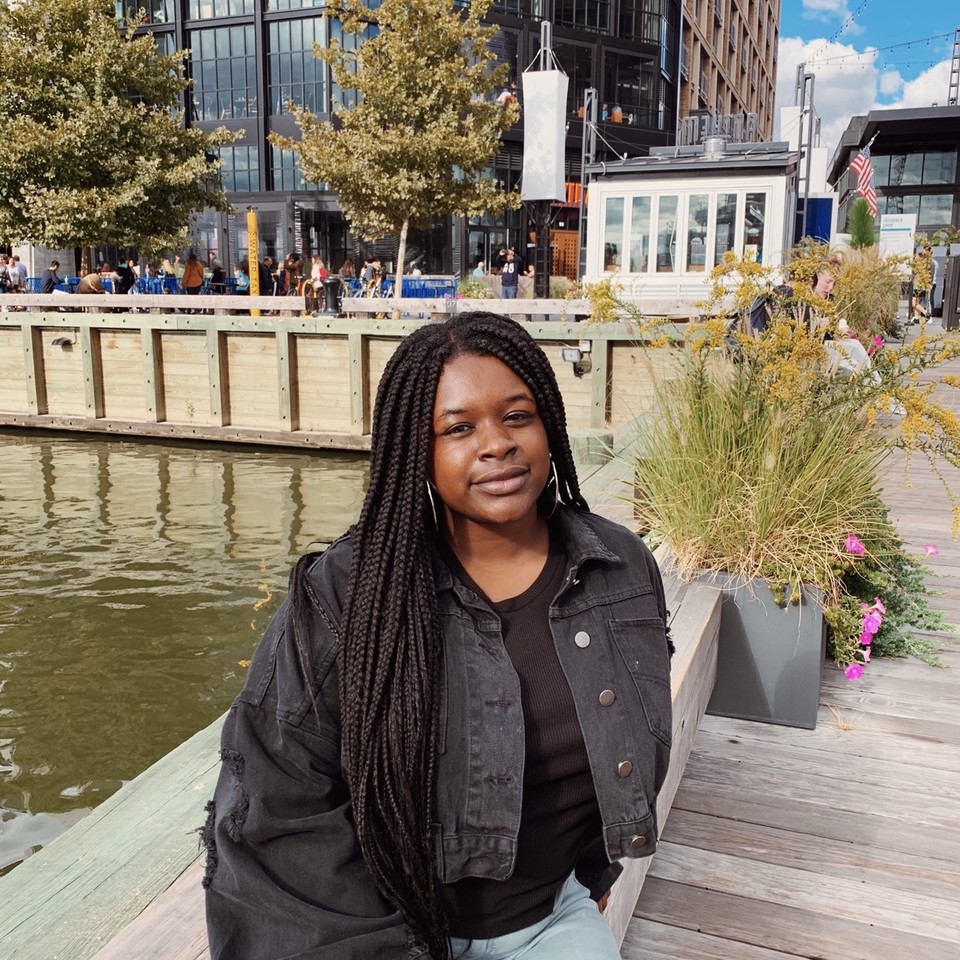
point(603, 901)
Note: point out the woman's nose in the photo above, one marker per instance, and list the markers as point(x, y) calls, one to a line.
point(496, 441)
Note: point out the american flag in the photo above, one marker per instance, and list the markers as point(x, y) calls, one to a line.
point(863, 170)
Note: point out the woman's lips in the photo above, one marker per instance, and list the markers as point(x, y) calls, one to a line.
point(502, 482)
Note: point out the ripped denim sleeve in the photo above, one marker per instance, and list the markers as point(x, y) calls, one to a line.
point(233, 822)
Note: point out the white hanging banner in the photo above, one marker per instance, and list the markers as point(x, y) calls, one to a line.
point(544, 131)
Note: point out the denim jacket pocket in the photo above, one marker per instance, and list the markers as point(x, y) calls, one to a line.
point(643, 648)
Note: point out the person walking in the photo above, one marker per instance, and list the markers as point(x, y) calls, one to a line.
point(459, 720)
point(50, 278)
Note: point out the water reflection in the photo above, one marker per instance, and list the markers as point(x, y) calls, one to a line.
point(134, 578)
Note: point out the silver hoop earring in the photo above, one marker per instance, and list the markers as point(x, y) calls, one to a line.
point(556, 489)
point(433, 509)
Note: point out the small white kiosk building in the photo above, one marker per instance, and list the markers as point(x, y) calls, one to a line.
point(662, 222)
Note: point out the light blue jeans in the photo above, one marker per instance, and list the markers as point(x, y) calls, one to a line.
point(575, 930)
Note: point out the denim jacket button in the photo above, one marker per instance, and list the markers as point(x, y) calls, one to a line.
point(582, 638)
point(607, 697)
point(638, 841)
point(624, 768)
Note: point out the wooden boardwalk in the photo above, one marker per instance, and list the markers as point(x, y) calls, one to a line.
point(840, 843)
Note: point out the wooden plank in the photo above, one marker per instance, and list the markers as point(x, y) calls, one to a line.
point(287, 381)
point(154, 398)
point(219, 378)
point(802, 889)
point(173, 928)
point(358, 372)
point(193, 430)
point(145, 301)
point(933, 876)
point(68, 899)
point(787, 929)
point(33, 366)
point(649, 940)
point(695, 627)
point(600, 383)
point(92, 371)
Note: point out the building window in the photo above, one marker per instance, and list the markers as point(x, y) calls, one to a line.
point(881, 172)
point(593, 15)
point(640, 20)
point(903, 204)
point(905, 169)
point(667, 234)
point(241, 169)
point(295, 73)
point(698, 212)
point(350, 43)
point(211, 9)
point(725, 231)
point(293, 4)
point(166, 42)
point(939, 166)
point(577, 63)
point(529, 9)
point(613, 234)
point(630, 82)
point(754, 217)
point(224, 73)
point(936, 210)
point(286, 173)
point(640, 235)
point(155, 11)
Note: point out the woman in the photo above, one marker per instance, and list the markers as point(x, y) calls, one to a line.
point(318, 269)
point(460, 718)
point(192, 280)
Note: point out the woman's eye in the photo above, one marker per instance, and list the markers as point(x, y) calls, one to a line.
point(518, 416)
point(456, 429)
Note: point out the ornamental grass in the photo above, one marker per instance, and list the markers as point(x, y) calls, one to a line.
point(762, 456)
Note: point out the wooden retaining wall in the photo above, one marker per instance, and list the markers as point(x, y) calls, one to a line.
point(293, 380)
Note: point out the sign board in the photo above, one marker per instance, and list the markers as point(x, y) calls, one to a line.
point(896, 234)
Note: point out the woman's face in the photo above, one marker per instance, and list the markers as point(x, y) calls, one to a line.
point(491, 458)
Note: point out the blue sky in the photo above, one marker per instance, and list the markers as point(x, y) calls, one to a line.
point(866, 55)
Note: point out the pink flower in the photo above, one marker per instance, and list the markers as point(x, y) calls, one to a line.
point(866, 638)
point(853, 544)
point(931, 550)
point(878, 341)
point(878, 606)
point(866, 654)
point(854, 671)
point(871, 623)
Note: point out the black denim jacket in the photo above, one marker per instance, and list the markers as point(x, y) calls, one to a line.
point(285, 878)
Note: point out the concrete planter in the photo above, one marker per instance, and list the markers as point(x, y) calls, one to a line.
point(770, 658)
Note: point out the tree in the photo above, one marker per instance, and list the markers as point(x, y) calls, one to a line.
point(93, 149)
point(424, 126)
point(860, 225)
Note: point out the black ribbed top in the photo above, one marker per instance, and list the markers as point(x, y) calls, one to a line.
point(560, 812)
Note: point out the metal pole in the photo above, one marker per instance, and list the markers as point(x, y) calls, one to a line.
point(588, 152)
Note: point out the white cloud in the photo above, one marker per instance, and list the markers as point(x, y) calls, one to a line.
point(890, 83)
point(853, 85)
point(842, 88)
point(928, 88)
point(827, 10)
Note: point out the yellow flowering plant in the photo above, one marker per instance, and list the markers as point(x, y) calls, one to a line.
point(763, 453)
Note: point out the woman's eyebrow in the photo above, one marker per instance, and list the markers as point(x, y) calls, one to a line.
point(459, 411)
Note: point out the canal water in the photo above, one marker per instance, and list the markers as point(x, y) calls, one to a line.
point(135, 582)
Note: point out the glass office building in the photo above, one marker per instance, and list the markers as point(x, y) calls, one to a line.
point(250, 58)
point(915, 164)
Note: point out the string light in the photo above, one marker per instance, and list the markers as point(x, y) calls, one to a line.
point(875, 50)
